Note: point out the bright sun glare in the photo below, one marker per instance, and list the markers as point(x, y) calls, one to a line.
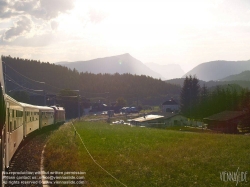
point(137, 21)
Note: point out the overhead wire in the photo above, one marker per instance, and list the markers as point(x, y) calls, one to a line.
point(33, 91)
point(22, 74)
point(42, 82)
point(24, 88)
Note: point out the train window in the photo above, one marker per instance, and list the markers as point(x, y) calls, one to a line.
point(19, 113)
point(10, 126)
point(15, 124)
point(13, 113)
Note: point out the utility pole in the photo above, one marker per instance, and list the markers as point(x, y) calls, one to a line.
point(107, 98)
point(78, 107)
point(45, 99)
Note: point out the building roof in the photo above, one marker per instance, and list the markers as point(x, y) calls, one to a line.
point(147, 118)
point(170, 102)
point(225, 116)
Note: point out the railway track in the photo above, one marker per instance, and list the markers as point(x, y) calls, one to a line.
point(28, 157)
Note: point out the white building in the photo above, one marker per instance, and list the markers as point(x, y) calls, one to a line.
point(168, 120)
point(170, 106)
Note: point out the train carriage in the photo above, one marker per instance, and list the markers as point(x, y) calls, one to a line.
point(17, 120)
point(30, 118)
point(46, 116)
point(59, 114)
point(2, 131)
point(14, 127)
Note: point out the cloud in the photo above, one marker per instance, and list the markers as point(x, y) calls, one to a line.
point(34, 41)
point(26, 6)
point(97, 16)
point(54, 25)
point(4, 11)
point(22, 26)
point(3, 6)
point(54, 7)
point(27, 15)
point(44, 9)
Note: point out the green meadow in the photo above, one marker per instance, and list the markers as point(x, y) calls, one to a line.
point(147, 157)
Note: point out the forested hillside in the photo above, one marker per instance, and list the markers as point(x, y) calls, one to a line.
point(243, 76)
point(25, 74)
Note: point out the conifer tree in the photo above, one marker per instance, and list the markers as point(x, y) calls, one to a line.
point(189, 96)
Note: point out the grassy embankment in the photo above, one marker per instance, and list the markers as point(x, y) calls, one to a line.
point(146, 156)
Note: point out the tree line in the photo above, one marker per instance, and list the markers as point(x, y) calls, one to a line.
point(198, 102)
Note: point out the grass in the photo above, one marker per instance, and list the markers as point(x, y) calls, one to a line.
point(146, 156)
point(189, 129)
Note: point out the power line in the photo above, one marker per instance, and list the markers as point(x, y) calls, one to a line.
point(22, 74)
point(24, 88)
point(41, 82)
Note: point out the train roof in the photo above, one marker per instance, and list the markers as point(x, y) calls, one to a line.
point(7, 97)
point(25, 105)
point(57, 108)
point(45, 108)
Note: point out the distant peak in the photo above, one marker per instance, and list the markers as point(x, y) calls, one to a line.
point(126, 54)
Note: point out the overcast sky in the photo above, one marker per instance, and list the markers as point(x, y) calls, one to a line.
point(185, 32)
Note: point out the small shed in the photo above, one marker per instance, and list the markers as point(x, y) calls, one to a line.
point(174, 119)
point(226, 121)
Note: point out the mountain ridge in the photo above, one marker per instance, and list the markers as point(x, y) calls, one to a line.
point(216, 70)
point(121, 64)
